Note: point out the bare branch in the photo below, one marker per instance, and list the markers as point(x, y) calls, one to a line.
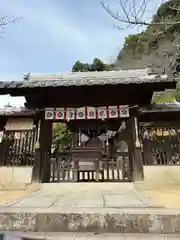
point(4, 21)
point(133, 14)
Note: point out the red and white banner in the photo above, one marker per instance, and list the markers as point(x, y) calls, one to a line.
point(70, 113)
point(91, 113)
point(87, 113)
point(81, 113)
point(113, 112)
point(124, 111)
point(49, 113)
point(102, 112)
point(60, 113)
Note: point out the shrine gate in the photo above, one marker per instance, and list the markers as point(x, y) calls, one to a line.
point(103, 110)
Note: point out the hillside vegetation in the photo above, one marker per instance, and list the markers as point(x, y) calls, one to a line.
point(146, 41)
point(154, 48)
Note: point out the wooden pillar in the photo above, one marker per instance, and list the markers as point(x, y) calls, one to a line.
point(135, 150)
point(3, 143)
point(37, 165)
point(3, 152)
point(45, 149)
point(42, 165)
point(147, 152)
point(36, 176)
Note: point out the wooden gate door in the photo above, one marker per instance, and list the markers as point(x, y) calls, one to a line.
point(116, 163)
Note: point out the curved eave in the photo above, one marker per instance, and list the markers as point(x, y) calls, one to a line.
point(156, 84)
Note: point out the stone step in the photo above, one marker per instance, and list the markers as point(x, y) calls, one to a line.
point(143, 220)
point(87, 236)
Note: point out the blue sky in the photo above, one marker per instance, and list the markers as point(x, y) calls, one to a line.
point(54, 34)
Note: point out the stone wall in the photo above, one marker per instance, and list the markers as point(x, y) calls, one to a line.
point(159, 177)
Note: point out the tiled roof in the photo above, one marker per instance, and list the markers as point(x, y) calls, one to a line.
point(165, 107)
point(87, 79)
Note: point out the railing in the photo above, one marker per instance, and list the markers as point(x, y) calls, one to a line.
point(63, 169)
point(17, 148)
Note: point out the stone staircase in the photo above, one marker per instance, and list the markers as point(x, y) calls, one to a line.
point(88, 208)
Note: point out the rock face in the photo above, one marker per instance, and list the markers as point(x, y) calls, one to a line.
point(158, 46)
point(159, 59)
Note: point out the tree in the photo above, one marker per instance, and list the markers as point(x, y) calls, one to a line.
point(80, 67)
point(96, 65)
point(62, 137)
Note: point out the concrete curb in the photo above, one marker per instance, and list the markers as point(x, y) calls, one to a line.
point(108, 221)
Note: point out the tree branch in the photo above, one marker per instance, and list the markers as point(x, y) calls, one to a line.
point(4, 21)
point(133, 15)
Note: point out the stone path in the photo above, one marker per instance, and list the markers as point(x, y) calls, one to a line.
point(98, 208)
point(10, 193)
point(93, 196)
point(167, 197)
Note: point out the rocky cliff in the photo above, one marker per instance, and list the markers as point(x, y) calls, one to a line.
point(156, 47)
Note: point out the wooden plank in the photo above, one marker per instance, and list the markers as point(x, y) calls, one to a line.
point(118, 168)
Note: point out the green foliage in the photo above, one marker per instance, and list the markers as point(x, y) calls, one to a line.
point(165, 10)
point(177, 92)
point(96, 65)
point(62, 137)
point(164, 97)
point(144, 42)
point(80, 67)
point(177, 95)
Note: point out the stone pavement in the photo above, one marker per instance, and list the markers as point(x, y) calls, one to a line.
point(89, 207)
point(84, 196)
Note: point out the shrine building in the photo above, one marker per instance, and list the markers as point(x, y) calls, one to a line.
point(114, 127)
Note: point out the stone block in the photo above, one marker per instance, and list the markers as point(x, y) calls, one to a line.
point(17, 221)
point(120, 222)
point(160, 177)
point(22, 175)
point(6, 174)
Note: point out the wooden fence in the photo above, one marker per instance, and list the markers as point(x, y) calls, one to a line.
point(17, 148)
point(160, 145)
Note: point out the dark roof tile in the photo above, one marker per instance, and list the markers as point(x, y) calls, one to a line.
point(88, 79)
